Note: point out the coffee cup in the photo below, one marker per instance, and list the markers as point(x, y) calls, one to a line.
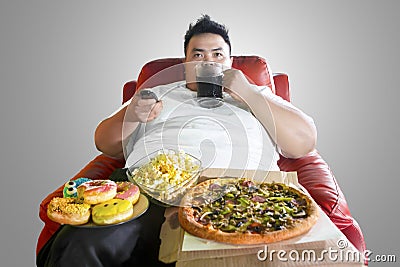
point(209, 84)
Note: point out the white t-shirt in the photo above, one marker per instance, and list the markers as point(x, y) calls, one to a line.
point(228, 136)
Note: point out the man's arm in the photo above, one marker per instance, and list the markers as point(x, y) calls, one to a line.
point(292, 130)
point(112, 132)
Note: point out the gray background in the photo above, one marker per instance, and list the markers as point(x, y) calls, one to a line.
point(63, 65)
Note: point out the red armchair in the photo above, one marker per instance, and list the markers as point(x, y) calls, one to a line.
point(313, 172)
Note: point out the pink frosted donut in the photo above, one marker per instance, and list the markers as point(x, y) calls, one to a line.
point(128, 190)
point(97, 191)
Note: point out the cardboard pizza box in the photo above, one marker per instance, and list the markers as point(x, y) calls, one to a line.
point(323, 245)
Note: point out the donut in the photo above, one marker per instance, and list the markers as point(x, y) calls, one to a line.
point(68, 211)
point(70, 187)
point(129, 191)
point(112, 211)
point(97, 191)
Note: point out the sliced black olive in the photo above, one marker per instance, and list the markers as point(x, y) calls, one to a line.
point(299, 214)
point(290, 205)
point(196, 208)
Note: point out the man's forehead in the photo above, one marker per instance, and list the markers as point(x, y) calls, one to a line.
point(207, 42)
point(207, 50)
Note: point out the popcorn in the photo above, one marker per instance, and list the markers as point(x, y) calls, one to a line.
point(167, 170)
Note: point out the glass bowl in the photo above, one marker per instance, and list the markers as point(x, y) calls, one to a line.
point(165, 175)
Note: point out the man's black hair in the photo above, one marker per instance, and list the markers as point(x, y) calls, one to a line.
point(206, 25)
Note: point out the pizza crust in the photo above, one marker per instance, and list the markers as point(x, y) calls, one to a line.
point(189, 224)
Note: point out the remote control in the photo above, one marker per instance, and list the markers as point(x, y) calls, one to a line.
point(147, 94)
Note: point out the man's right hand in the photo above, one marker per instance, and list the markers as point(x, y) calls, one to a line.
point(144, 110)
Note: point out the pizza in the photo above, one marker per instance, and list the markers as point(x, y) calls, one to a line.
point(241, 211)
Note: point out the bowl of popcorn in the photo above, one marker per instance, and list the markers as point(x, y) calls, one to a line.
point(165, 175)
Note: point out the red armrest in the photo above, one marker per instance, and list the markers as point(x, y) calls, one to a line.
point(317, 178)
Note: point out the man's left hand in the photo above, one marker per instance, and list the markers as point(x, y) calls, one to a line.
point(236, 85)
